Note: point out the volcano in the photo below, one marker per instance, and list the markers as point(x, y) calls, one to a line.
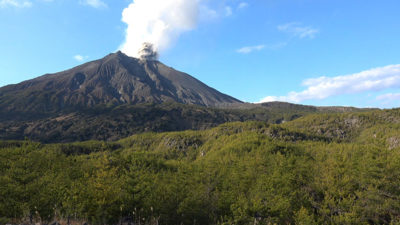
point(118, 96)
point(113, 80)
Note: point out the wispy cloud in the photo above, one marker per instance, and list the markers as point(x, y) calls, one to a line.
point(94, 3)
point(372, 80)
point(80, 58)
point(249, 49)
point(228, 11)
point(15, 3)
point(243, 5)
point(206, 13)
point(298, 30)
point(388, 98)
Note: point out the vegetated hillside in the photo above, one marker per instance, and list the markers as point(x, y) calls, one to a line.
point(290, 107)
point(350, 127)
point(319, 169)
point(112, 123)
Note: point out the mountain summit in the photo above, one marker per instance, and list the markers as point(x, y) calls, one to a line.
point(113, 80)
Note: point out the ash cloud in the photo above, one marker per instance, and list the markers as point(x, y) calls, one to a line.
point(147, 52)
point(153, 25)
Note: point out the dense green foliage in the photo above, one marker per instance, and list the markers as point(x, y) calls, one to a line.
point(319, 169)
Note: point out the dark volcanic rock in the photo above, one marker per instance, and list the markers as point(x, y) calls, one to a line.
point(114, 80)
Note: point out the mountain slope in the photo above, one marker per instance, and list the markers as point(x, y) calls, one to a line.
point(114, 80)
point(118, 96)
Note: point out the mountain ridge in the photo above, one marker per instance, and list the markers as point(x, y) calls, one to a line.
point(115, 79)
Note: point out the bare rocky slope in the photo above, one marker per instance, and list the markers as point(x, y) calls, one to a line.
point(113, 80)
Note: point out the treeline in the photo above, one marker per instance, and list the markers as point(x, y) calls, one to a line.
point(236, 173)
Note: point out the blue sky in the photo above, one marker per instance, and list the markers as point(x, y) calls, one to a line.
point(319, 52)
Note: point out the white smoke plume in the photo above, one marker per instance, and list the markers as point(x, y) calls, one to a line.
point(157, 23)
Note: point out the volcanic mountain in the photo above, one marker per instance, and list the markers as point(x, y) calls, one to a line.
point(118, 96)
point(113, 80)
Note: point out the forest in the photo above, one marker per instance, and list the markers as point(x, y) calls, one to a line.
point(323, 168)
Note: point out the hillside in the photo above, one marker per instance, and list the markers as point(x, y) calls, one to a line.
point(110, 123)
point(319, 169)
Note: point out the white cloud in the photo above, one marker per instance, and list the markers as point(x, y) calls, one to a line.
point(207, 14)
point(298, 30)
point(228, 11)
point(249, 49)
point(159, 22)
point(387, 99)
point(242, 5)
point(94, 3)
point(372, 80)
point(80, 58)
point(15, 3)
point(270, 99)
point(276, 46)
